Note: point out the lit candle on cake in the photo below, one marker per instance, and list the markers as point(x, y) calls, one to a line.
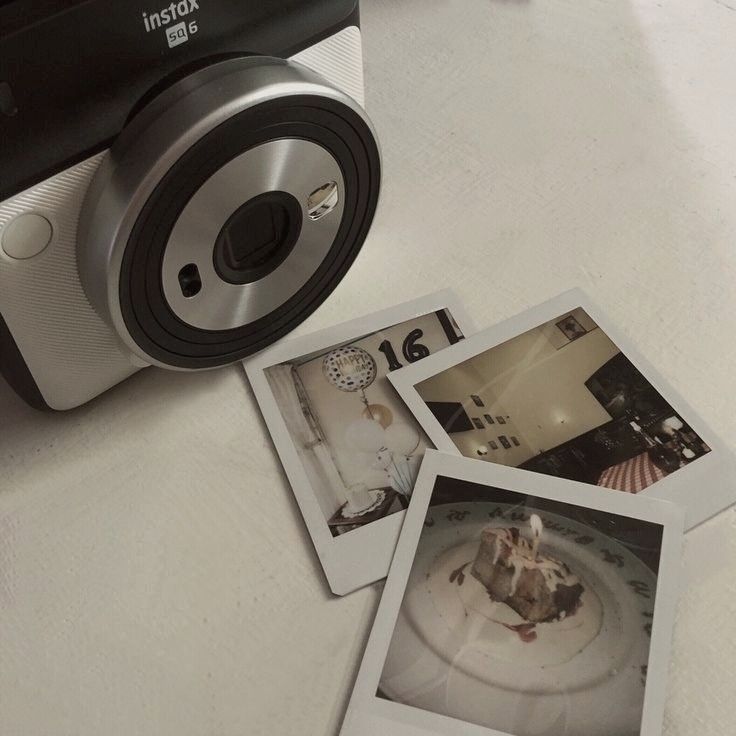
point(537, 527)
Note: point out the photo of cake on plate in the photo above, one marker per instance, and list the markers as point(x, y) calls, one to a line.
point(528, 616)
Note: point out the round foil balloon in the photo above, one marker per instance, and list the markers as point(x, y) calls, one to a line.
point(382, 414)
point(402, 438)
point(349, 368)
point(365, 435)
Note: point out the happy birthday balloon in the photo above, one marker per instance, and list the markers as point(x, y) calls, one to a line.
point(382, 414)
point(349, 368)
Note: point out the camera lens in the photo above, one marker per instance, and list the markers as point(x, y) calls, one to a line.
point(257, 237)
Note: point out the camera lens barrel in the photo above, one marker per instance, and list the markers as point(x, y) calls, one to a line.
point(227, 210)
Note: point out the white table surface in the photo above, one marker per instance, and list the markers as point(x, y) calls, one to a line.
point(155, 575)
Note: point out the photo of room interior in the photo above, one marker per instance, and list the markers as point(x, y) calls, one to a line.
point(357, 442)
point(572, 405)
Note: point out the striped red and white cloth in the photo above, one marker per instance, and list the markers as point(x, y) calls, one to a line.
point(632, 475)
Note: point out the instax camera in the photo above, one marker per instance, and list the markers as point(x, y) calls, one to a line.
point(179, 185)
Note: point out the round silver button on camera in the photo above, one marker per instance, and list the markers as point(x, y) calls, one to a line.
point(26, 236)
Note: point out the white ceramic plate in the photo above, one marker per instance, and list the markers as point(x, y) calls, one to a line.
point(453, 653)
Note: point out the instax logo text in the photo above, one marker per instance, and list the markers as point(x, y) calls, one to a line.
point(168, 14)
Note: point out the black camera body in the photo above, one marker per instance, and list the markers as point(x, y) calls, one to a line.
point(180, 185)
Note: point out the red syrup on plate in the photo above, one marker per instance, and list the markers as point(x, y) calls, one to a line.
point(526, 632)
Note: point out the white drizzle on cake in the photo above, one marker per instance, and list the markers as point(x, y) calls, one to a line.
point(505, 558)
point(521, 556)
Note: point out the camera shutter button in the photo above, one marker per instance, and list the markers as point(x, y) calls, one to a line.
point(26, 236)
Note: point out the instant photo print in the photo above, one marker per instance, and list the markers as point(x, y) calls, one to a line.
point(519, 604)
point(579, 402)
point(349, 446)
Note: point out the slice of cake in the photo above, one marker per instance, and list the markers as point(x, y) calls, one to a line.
point(538, 588)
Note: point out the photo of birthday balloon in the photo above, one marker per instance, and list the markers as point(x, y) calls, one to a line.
point(359, 445)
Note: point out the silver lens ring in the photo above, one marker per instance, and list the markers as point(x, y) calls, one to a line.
point(294, 166)
point(167, 253)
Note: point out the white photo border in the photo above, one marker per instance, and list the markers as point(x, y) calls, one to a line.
point(350, 561)
point(369, 714)
point(715, 471)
